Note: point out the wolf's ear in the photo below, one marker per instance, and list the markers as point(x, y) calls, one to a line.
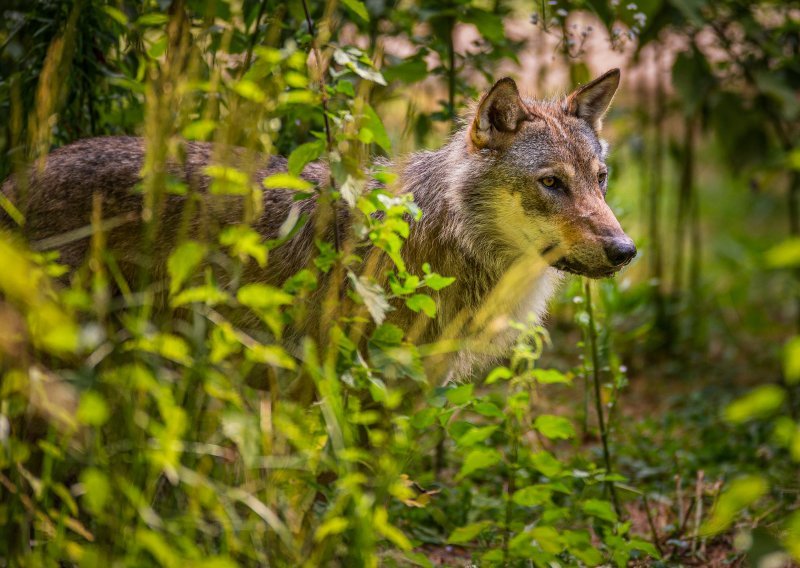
point(591, 101)
point(499, 116)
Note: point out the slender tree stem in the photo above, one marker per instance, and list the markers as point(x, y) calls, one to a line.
point(597, 393)
point(451, 72)
point(512, 487)
point(328, 136)
point(254, 36)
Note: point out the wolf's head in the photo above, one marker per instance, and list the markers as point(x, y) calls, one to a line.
point(543, 178)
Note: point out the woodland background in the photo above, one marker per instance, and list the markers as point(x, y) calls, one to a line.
point(653, 423)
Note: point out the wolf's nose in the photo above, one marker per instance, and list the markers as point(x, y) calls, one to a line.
point(620, 251)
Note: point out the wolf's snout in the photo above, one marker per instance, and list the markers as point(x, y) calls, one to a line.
point(620, 250)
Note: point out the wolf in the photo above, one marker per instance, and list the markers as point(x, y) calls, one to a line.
point(511, 203)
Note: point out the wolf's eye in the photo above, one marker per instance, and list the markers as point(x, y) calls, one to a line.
point(550, 182)
point(602, 177)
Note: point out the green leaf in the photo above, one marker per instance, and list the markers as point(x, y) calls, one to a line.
point(357, 7)
point(243, 430)
point(548, 539)
point(408, 71)
point(332, 526)
point(497, 374)
point(199, 129)
point(387, 335)
point(270, 355)
point(468, 533)
point(249, 90)
point(532, 496)
point(226, 180)
point(260, 296)
point(304, 154)
point(488, 409)
point(116, 15)
point(460, 394)
point(490, 25)
point(791, 361)
point(784, 255)
point(599, 509)
point(546, 464)
point(245, 242)
point(287, 181)
point(478, 459)
point(554, 427)
point(375, 125)
point(208, 295)
point(166, 345)
point(424, 418)
point(93, 410)
point(96, 489)
point(437, 282)
point(183, 262)
point(475, 435)
point(646, 547)
point(154, 19)
point(551, 376)
point(422, 302)
point(758, 403)
point(740, 494)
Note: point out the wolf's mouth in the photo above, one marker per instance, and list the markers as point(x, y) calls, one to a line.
point(566, 265)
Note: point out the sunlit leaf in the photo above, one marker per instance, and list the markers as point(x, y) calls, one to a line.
point(599, 509)
point(357, 7)
point(478, 459)
point(758, 403)
point(475, 435)
point(437, 282)
point(468, 533)
point(785, 254)
point(498, 373)
point(551, 376)
point(532, 496)
point(546, 463)
point(461, 394)
point(249, 90)
point(791, 361)
point(422, 302)
point(304, 154)
point(554, 427)
point(375, 125)
point(96, 489)
point(331, 527)
point(182, 263)
point(738, 495)
point(394, 535)
point(287, 181)
point(93, 409)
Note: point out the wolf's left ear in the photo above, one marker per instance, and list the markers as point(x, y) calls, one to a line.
point(591, 101)
point(499, 116)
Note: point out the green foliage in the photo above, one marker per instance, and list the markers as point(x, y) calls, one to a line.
point(153, 427)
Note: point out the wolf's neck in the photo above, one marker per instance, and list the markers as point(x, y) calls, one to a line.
point(451, 225)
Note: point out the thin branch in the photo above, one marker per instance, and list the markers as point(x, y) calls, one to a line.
point(328, 137)
point(597, 395)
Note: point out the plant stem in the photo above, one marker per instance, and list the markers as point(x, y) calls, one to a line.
point(597, 394)
point(511, 489)
point(323, 90)
point(254, 37)
point(451, 73)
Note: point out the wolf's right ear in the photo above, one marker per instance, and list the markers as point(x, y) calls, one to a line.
point(499, 116)
point(591, 101)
